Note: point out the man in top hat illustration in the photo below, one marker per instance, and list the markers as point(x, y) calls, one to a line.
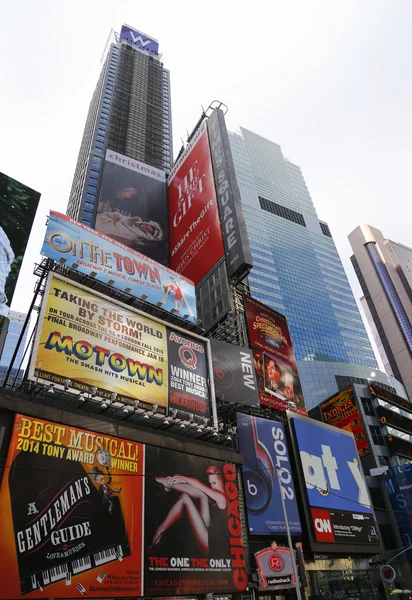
point(104, 487)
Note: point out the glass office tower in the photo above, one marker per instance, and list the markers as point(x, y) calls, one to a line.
point(384, 270)
point(130, 113)
point(297, 269)
point(14, 329)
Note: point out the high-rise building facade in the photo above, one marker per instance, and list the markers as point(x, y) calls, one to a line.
point(14, 328)
point(129, 113)
point(384, 270)
point(297, 269)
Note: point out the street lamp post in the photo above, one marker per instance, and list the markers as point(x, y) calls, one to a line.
point(292, 553)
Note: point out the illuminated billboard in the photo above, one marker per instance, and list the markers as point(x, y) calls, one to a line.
point(237, 251)
point(89, 514)
point(341, 411)
point(110, 262)
point(336, 497)
point(275, 363)
point(195, 234)
point(262, 443)
point(132, 206)
point(18, 205)
point(92, 341)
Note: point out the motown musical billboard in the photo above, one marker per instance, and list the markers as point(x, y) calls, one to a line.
point(87, 514)
point(71, 505)
point(92, 341)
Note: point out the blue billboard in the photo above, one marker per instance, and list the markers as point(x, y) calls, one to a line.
point(331, 475)
point(139, 40)
point(263, 446)
point(88, 251)
point(398, 483)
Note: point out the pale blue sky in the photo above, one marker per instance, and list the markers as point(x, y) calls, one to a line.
point(330, 81)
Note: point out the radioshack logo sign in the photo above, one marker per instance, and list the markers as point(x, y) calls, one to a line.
point(322, 525)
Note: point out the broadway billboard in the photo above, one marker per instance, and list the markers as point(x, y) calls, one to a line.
point(86, 514)
point(193, 531)
point(194, 225)
point(132, 206)
point(336, 498)
point(263, 446)
point(275, 363)
point(110, 262)
point(93, 341)
point(18, 205)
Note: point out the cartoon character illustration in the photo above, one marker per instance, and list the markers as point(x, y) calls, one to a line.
point(105, 491)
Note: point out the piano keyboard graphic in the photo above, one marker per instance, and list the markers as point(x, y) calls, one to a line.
point(74, 567)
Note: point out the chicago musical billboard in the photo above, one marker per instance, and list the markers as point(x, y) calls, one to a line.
point(132, 206)
point(237, 251)
point(93, 341)
point(338, 505)
point(194, 225)
point(275, 363)
point(88, 514)
point(342, 412)
point(18, 205)
point(193, 532)
point(72, 519)
point(234, 374)
point(89, 252)
point(263, 446)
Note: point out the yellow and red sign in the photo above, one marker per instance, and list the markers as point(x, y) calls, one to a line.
point(92, 341)
point(71, 506)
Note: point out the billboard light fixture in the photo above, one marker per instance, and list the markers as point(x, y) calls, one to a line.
point(93, 391)
point(67, 383)
point(50, 389)
point(110, 282)
point(81, 397)
point(144, 296)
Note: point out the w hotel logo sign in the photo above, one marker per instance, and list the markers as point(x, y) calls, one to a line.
point(139, 40)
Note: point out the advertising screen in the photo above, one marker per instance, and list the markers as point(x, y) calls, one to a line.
point(113, 263)
point(72, 518)
point(263, 446)
point(88, 514)
point(92, 341)
point(139, 40)
point(234, 374)
point(275, 364)
point(132, 206)
point(341, 411)
point(18, 205)
point(194, 225)
point(333, 483)
point(193, 533)
point(398, 483)
point(237, 251)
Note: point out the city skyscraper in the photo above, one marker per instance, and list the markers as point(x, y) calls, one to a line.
point(129, 113)
point(297, 269)
point(384, 270)
point(14, 329)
